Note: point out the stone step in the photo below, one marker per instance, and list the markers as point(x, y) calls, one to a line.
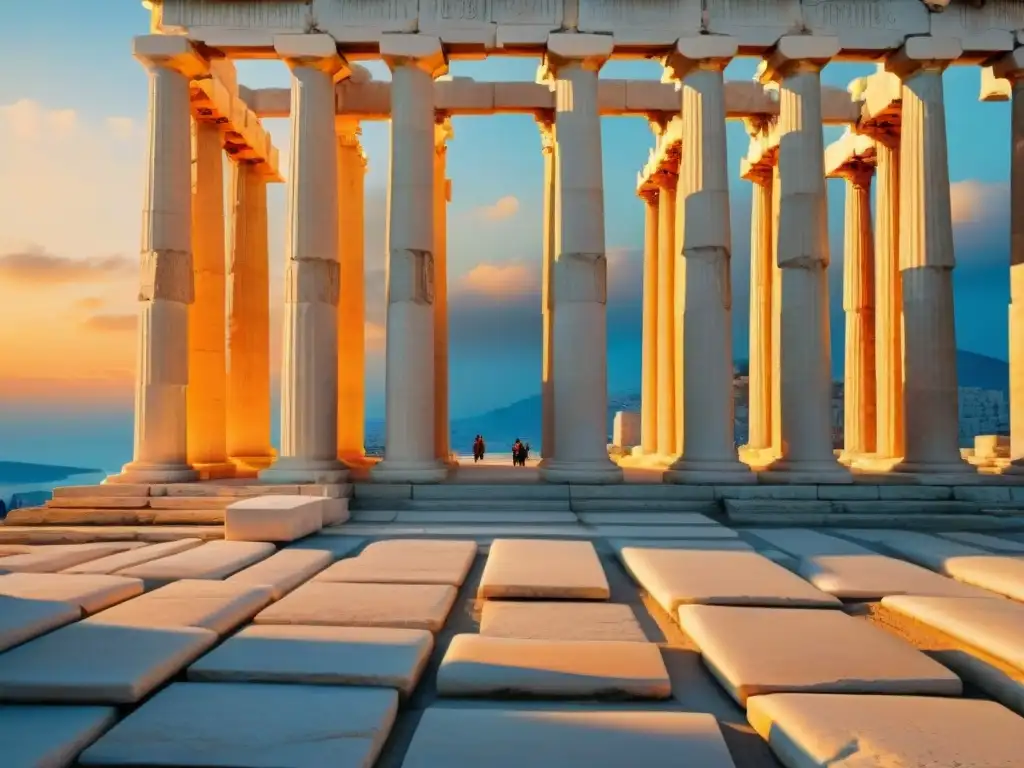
point(915, 520)
point(496, 516)
point(84, 534)
point(142, 502)
point(641, 492)
point(103, 517)
point(646, 505)
point(467, 504)
point(217, 488)
point(497, 491)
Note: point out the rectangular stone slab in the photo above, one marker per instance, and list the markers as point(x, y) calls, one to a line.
point(565, 737)
point(803, 542)
point(273, 518)
point(994, 626)
point(677, 577)
point(57, 557)
point(268, 653)
point(341, 604)
point(89, 592)
point(530, 620)
point(811, 730)
point(122, 560)
point(253, 725)
point(50, 737)
point(1002, 574)
point(871, 576)
point(475, 665)
point(543, 569)
point(284, 571)
point(213, 560)
point(406, 561)
point(718, 545)
point(986, 541)
point(218, 606)
point(89, 663)
point(754, 651)
point(21, 620)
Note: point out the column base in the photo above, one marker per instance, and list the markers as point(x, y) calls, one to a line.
point(251, 466)
point(699, 472)
point(1015, 467)
point(940, 472)
point(289, 469)
point(595, 472)
point(822, 472)
point(145, 473)
point(396, 471)
point(218, 470)
point(848, 458)
point(354, 459)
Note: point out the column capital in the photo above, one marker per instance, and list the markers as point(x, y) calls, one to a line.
point(857, 172)
point(665, 179)
point(443, 132)
point(170, 52)
point(421, 51)
point(348, 129)
point(546, 126)
point(587, 51)
point(649, 194)
point(758, 173)
point(1009, 66)
point(712, 52)
point(923, 54)
point(794, 54)
point(319, 52)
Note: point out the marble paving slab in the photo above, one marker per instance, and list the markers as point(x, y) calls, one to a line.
point(871, 577)
point(57, 557)
point(531, 620)
point(646, 518)
point(251, 724)
point(284, 571)
point(534, 568)
point(994, 626)
point(410, 606)
point(475, 665)
point(701, 532)
point(22, 620)
point(89, 592)
point(87, 663)
point(825, 730)
point(719, 545)
point(218, 606)
point(121, 560)
point(803, 542)
point(367, 656)
point(677, 577)
point(986, 541)
point(754, 651)
point(50, 737)
point(1002, 574)
point(212, 560)
point(565, 737)
point(406, 561)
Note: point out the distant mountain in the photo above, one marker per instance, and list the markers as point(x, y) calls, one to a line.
point(974, 370)
point(21, 473)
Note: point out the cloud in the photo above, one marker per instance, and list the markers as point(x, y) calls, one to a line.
point(35, 265)
point(121, 127)
point(28, 120)
point(505, 208)
point(976, 202)
point(502, 279)
point(89, 304)
point(111, 323)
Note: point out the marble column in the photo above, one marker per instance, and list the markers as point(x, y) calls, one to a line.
point(666, 439)
point(546, 123)
point(309, 377)
point(649, 362)
point(409, 453)
point(709, 443)
point(442, 196)
point(166, 280)
point(759, 378)
point(1011, 67)
point(248, 307)
point(580, 275)
point(207, 341)
point(931, 407)
point(889, 426)
point(351, 294)
point(803, 258)
point(776, 318)
point(859, 306)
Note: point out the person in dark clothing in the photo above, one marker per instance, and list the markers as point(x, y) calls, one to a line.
point(517, 452)
point(524, 454)
point(478, 449)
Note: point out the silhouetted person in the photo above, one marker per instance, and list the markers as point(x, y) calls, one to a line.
point(517, 452)
point(478, 449)
point(524, 454)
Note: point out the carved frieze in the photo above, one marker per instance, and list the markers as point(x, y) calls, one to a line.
point(547, 13)
point(867, 25)
point(991, 27)
point(282, 15)
point(363, 20)
point(635, 22)
point(753, 22)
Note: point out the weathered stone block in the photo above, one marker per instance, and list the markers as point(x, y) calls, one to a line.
point(273, 518)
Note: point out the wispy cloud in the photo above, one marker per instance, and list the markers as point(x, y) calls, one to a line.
point(110, 323)
point(498, 280)
point(37, 266)
point(504, 208)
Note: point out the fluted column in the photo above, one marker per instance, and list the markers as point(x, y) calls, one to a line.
point(931, 407)
point(709, 443)
point(666, 441)
point(207, 341)
point(1011, 67)
point(580, 271)
point(803, 258)
point(409, 452)
point(166, 280)
point(309, 377)
point(859, 305)
point(546, 123)
point(351, 294)
point(776, 318)
point(759, 376)
point(248, 307)
point(442, 190)
point(649, 362)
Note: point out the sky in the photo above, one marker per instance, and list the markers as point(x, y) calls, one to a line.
point(72, 138)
